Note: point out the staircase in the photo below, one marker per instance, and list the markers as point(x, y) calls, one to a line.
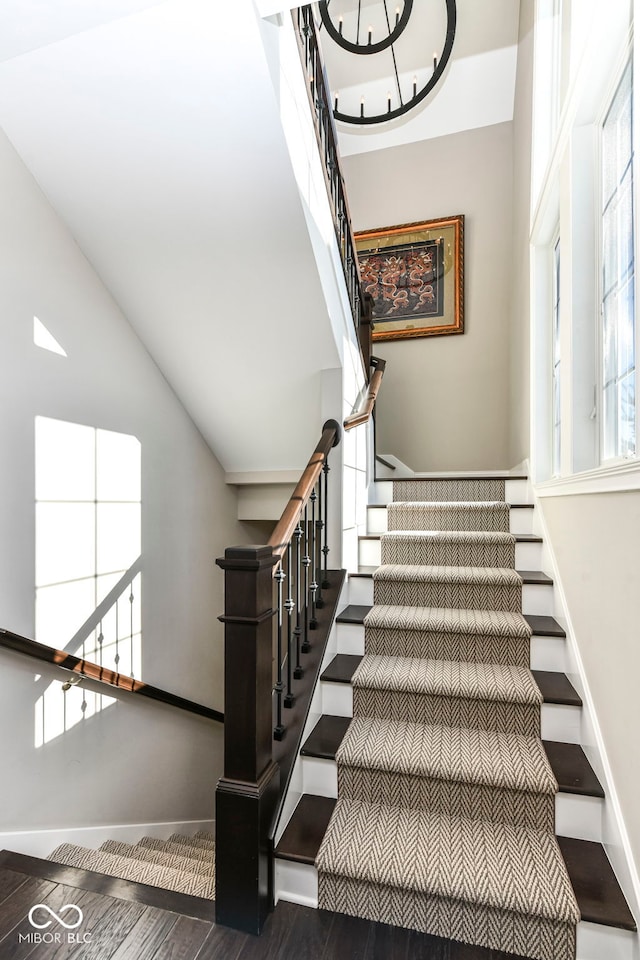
point(183, 864)
point(447, 757)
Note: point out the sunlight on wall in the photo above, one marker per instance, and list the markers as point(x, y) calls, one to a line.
point(88, 534)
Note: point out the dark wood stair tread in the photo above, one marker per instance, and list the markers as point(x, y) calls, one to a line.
point(556, 688)
point(571, 769)
point(461, 476)
point(325, 738)
point(354, 613)
point(597, 891)
point(342, 668)
point(303, 835)
point(535, 576)
point(520, 537)
point(543, 626)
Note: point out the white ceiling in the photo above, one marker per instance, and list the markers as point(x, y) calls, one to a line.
point(154, 131)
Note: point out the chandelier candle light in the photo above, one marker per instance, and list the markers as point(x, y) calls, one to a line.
point(402, 18)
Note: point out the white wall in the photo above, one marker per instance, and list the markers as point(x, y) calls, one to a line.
point(135, 761)
point(444, 401)
point(595, 541)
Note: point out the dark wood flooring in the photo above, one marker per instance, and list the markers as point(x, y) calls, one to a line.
point(123, 929)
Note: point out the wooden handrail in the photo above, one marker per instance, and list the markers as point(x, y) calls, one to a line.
point(288, 522)
point(369, 401)
point(85, 669)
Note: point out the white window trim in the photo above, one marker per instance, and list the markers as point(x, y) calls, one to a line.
point(613, 462)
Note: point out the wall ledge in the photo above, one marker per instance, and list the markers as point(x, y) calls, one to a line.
point(616, 478)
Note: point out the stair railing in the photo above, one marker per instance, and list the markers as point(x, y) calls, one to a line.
point(274, 595)
point(322, 113)
point(82, 669)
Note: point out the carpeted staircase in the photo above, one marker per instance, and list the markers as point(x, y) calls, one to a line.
point(184, 864)
point(444, 821)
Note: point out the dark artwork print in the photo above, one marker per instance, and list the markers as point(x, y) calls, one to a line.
point(405, 281)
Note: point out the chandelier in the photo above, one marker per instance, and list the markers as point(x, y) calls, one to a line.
point(358, 36)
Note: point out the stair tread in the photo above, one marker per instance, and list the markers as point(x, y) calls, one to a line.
point(181, 849)
point(425, 573)
point(544, 626)
point(453, 857)
point(498, 475)
point(535, 576)
point(556, 688)
point(445, 678)
point(508, 761)
point(596, 888)
point(139, 871)
point(303, 834)
point(449, 619)
point(541, 626)
point(518, 537)
point(572, 769)
point(326, 737)
point(353, 613)
point(341, 668)
point(163, 857)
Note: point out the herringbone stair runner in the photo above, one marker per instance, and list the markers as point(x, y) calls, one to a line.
point(444, 821)
point(181, 863)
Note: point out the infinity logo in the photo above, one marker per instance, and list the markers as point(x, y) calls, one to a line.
point(55, 916)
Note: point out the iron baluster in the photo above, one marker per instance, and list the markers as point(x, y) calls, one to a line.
point(279, 730)
point(325, 549)
point(319, 525)
point(298, 673)
point(289, 604)
point(313, 623)
point(306, 562)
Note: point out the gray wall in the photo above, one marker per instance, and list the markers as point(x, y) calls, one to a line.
point(595, 540)
point(444, 402)
point(133, 762)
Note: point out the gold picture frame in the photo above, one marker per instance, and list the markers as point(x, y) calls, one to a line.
point(415, 274)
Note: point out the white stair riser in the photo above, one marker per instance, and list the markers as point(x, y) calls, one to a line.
point(536, 598)
point(298, 883)
point(579, 817)
point(558, 721)
point(576, 816)
point(528, 555)
point(547, 653)
point(319, 777)
point(597, 942)
point(520, 521)
point(515, 491)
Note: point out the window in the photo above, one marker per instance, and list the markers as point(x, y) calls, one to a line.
point(555, 378)
point(88, 532)
point(618, 364)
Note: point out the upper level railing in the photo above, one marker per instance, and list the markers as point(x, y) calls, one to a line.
point(322, 113)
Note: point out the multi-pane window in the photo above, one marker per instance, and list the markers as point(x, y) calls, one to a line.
point(555, 399)
point(618, 276)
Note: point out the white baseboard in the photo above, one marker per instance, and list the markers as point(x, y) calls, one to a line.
point(41, 843)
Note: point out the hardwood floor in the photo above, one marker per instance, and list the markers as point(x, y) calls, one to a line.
point(125, 929)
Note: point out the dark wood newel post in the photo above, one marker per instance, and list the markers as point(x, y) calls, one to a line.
point(247, 794)
point(365, 330)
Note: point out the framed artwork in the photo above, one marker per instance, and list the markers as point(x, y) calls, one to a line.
point(415, 274)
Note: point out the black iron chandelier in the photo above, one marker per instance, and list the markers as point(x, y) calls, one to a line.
point(363, 44)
